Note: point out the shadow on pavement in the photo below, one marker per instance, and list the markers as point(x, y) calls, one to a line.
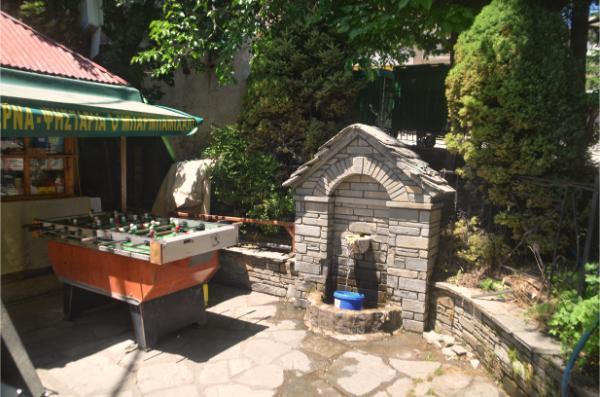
point(53, 342)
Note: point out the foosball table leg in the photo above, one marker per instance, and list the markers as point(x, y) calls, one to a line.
point(76, 300)
point(159, 317)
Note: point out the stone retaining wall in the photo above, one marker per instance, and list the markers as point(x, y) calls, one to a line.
point(260, 270)
point(524, 360)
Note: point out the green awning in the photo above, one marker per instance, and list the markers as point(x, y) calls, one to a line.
point(36, 105)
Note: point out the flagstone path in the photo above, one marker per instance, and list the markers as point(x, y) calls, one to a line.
point(253, 345)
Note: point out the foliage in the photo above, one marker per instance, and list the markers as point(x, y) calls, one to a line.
point(243, 182)
point(541, 312)
point(490, 284)
point(513, 113)
point(200, 34)
point(277, 206)
point(593, 71)
point(576, 314)
point(388, 30)
point(57, 19)
point(299, 94)
point(125, 26)
point(475, 246)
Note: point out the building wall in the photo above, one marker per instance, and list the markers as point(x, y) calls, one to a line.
point(201, 94)
point(21, 252)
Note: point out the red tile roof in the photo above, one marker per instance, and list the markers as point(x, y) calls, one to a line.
point(23, 48)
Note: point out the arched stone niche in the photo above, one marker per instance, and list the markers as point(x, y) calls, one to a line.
point(364, 178)
point(366, 272)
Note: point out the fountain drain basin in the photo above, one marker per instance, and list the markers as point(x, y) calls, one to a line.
point(347, 300)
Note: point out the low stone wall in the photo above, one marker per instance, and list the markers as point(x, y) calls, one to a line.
point(524, 360)
point(261, 270)
point(329, 320)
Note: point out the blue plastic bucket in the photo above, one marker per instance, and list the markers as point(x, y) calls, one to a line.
point(347, 300)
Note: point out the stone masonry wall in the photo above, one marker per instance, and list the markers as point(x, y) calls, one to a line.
point(270, 272)
point(368, 271)
point(525, 361)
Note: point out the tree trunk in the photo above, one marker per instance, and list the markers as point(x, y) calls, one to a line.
point(579, 38)
point(453, 39)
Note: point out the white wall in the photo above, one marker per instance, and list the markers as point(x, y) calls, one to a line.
point(21, 251)
point(201, 95)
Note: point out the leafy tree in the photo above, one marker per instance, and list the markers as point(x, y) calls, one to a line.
point(514, 113)
point(207, 33)
point(125, 26)
point(299, 93)
point(57, 19)
point(388, 30)
point(200, 34)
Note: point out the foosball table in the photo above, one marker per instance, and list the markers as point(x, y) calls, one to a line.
point(158, 266)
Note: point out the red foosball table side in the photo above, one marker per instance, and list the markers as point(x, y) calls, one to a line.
point(127, 278)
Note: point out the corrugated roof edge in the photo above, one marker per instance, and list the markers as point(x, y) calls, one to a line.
point(122, 81)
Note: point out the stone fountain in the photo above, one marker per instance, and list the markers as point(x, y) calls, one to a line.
point(365, 186)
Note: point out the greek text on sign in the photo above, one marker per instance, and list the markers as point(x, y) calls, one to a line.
point(23, 118)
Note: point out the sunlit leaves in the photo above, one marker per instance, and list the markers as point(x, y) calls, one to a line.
point(202, 33)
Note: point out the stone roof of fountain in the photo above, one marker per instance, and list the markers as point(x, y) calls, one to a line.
point(405, 159)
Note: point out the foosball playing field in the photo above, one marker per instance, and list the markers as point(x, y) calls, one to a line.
point(140, 235)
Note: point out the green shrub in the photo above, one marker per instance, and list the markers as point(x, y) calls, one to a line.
point(575, 314)
point(300, 92)
point(541, 312)
point(489, 284)
point(514, 113)
point(243, 182)
point(475, 246)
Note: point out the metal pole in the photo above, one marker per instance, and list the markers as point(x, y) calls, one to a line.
point(19, 356)
point(123, 174)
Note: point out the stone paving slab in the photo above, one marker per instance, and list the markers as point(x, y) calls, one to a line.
point(359, 373)
point(252, 345)
point(416, 369)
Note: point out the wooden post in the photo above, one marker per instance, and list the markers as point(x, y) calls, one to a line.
point(123, 174)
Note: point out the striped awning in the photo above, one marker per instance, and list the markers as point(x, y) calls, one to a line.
point(36, 105)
